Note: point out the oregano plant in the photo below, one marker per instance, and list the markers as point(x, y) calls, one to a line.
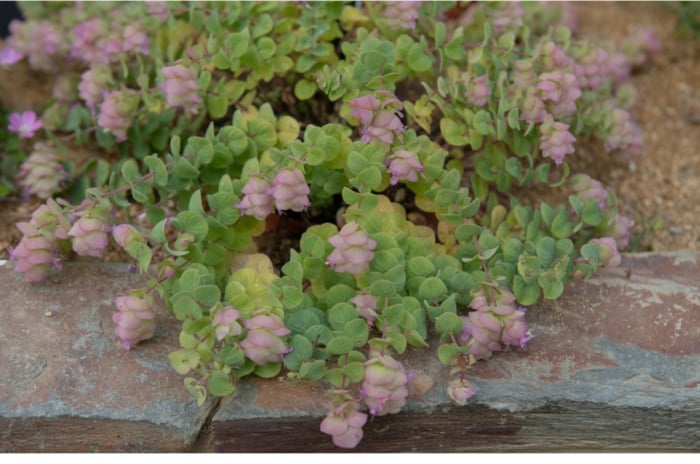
point(385, 147)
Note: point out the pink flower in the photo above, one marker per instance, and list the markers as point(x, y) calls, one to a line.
point(90, 232)
point(262, 343)
point(226, 323)
point(460, 390)
point(379, 114)
point(621, 230)
point(556, 140)
point(560, 90)
point(25, 124)
point(353, 250)
point(384, 385)
point(36, 254)
point(135, 320)
point(344, 424)
point(9, 56)
point(405, 166)
point(41, 174)
point(257, 201)
point(181, 88)
point(290, 190)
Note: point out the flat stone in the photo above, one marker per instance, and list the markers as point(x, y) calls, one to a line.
point(67, 385)
point(614, 364)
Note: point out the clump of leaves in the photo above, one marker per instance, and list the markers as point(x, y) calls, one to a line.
point(397, 135)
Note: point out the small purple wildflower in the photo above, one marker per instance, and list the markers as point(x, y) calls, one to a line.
point(25, 124)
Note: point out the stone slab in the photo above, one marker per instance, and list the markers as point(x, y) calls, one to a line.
point(614, 365)
point(65, 382)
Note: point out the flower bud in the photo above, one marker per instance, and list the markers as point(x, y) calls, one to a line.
point(384, 385)
point(35, 254)
point(181, 88)
point(344, 424)
point(405, 166)
point(366, 305)
point(353, 250)
point(607, 249)
point(226, 323)
point(480, 91)
point(624, 135)
point(588, 188)
point(90, 232)
point(135, 320)
point(93, 85)
point(41, 174)
point(125, 234)
point(257, 201)
point(515, 329)
point(116, 112)
point(290, 190)
point(262, 343)
point(402, 15)
point(556, 140)
point(379, 114)
point(460, 390)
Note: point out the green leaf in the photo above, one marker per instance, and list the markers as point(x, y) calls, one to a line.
point(591, 213)
point(219, 384)
point(417, 59)
point(196, 390)
point(526, 293)
point(217, 105)
point(185, 306)
point(340, 314)
point(313, 370)
point(447, 352)
point(340, 345)
point(269, 370)
point(432, 289)
point(194, 223)
point(185, 170)
point(130, 170)
point(448, 323)
point(231, 356)
point(551, 286)
point(455, 134)
point(184, 360)
point(304, 89)
point(358, 330)
point(546, 251)
point(354, 371)
point(158, 168)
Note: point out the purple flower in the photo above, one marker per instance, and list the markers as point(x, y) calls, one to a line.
point(35, 254)
point(624, 135)
point(25, 124)
point(353, 250)
point(135, 320)
point(344, 424)
point(9, 56)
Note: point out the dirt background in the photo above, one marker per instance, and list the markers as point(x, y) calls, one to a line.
point(660, 188)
